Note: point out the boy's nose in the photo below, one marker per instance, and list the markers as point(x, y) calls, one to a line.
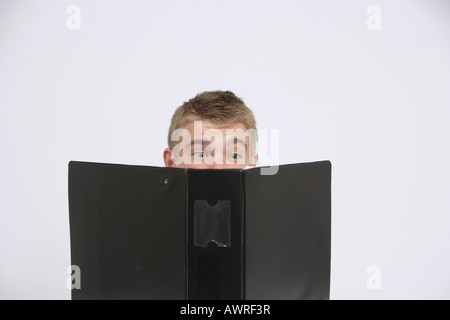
point(217, 166)
point(215, 162)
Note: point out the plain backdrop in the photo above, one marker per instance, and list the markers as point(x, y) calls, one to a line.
point(373, 101)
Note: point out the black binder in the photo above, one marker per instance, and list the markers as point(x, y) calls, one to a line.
point(142, 232)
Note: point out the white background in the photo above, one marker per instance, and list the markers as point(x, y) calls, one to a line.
point(374, 102)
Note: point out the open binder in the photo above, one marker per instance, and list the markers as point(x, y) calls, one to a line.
point(142, 232)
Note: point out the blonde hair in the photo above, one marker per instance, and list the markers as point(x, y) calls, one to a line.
point(221, 107)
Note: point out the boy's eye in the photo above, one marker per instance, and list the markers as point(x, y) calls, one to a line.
point(199, 154)
point(234, 156)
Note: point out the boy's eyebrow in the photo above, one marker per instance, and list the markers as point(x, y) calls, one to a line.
point(237, 140)
point(198, 141)
point(231, 141)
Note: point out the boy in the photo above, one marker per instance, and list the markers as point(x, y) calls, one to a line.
point(214, 130)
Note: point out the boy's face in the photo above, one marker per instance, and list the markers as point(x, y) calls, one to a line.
point(208, 145)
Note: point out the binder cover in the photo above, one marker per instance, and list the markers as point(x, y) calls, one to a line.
point(142, 232)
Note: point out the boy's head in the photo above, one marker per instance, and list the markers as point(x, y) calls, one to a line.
point(214, 130)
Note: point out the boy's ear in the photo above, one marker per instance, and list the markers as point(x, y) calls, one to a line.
point(167, 154)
